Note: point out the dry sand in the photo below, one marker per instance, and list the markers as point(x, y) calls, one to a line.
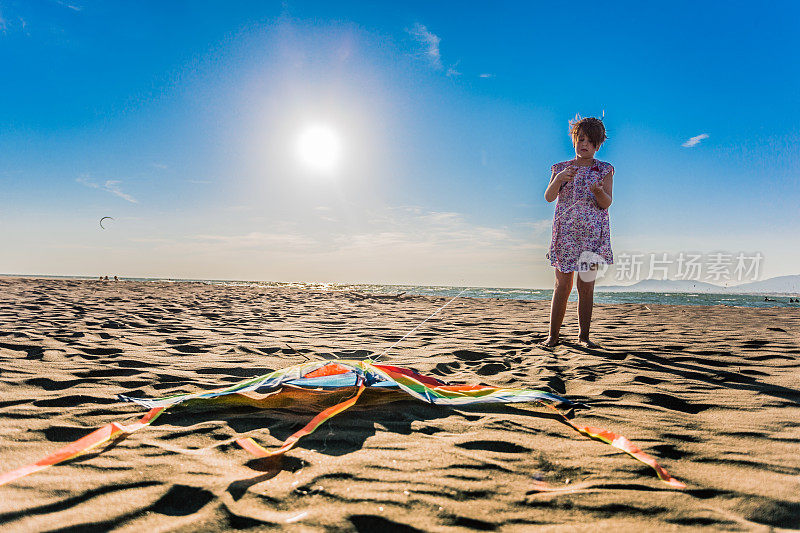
point(711, 392)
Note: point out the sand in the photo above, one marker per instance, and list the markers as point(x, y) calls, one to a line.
point(711, 392)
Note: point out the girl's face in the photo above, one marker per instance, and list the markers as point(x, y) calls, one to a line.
point(584, 147)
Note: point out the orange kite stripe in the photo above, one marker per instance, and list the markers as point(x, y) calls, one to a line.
point(84, 444)
point(254, 448)
point(621, 443)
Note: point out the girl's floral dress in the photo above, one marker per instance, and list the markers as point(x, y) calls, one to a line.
point(581, 231)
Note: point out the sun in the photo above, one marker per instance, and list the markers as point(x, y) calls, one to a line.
point(319, 148)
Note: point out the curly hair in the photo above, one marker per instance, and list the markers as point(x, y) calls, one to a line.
point(592, 127)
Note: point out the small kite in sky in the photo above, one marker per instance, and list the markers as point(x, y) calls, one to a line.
point(102, 219)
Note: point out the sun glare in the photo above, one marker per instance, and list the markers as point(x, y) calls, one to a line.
point(319, 148)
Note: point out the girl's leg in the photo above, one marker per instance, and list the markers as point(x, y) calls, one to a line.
point(558, 306)
point(585, 303)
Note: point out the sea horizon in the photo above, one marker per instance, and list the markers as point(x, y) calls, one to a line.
point(610, 294)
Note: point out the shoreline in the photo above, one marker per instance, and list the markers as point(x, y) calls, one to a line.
point(610, 295)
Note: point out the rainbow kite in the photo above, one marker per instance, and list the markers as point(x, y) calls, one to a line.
point(319, 383)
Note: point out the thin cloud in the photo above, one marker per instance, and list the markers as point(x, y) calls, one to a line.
point(152, 240)
point(13, 24)
point(260, 240)
point(486, 75)
point(83, 180)
point(69, 6)
point(442, 218)
point(415, 228)
point(694, 141)
point(542, 226)
point(111, 186)
point(452, 72)
point(239, 208)
point(430, 44)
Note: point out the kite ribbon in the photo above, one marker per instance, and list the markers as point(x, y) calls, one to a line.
point(253, 447)
point(84, 444)
point(621, 443)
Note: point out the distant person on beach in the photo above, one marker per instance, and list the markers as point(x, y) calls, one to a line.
point(581, 234)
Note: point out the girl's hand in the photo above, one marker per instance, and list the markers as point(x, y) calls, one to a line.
point(596, 188)
point(566, 175)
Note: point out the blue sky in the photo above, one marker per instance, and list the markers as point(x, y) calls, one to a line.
point(180, 120)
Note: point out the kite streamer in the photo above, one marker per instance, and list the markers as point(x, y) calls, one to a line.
point(317, 381)
point(82, 445)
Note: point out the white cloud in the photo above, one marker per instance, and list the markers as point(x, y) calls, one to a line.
point(695, 140)
point(152, 240)
point(69, 6)
point(83, 180)
point(111, 186)
point(398, 232)
point(486, 75)
point(430, 44)
point(240, 208)
point(452, 72)
point(411, 229)
point(260, 240)
point(543, 226)
point(442, 218)
point(14, 23)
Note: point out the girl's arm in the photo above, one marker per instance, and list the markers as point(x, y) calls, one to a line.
point(556, 181)
point(602, 191)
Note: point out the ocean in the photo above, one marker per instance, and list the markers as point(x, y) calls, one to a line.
point(600, 296)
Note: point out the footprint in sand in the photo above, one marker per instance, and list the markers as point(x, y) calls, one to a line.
point(469, 355)
point(755, 343)
point(73, 401)
point(49, 384)
point(182, 500)
point(32, 352)
point(493, 446)
point(491, 369)
point(661, 400)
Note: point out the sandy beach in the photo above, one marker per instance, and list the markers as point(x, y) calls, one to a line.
point(711, 392)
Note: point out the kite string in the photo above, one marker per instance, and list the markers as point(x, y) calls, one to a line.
point(418, 326)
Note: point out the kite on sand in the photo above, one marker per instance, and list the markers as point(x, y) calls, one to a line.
point(317, 383)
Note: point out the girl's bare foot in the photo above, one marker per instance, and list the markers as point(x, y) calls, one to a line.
point(550, 342)
point(586, 343)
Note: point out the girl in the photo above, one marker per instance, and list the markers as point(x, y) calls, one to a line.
point(581, 236)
